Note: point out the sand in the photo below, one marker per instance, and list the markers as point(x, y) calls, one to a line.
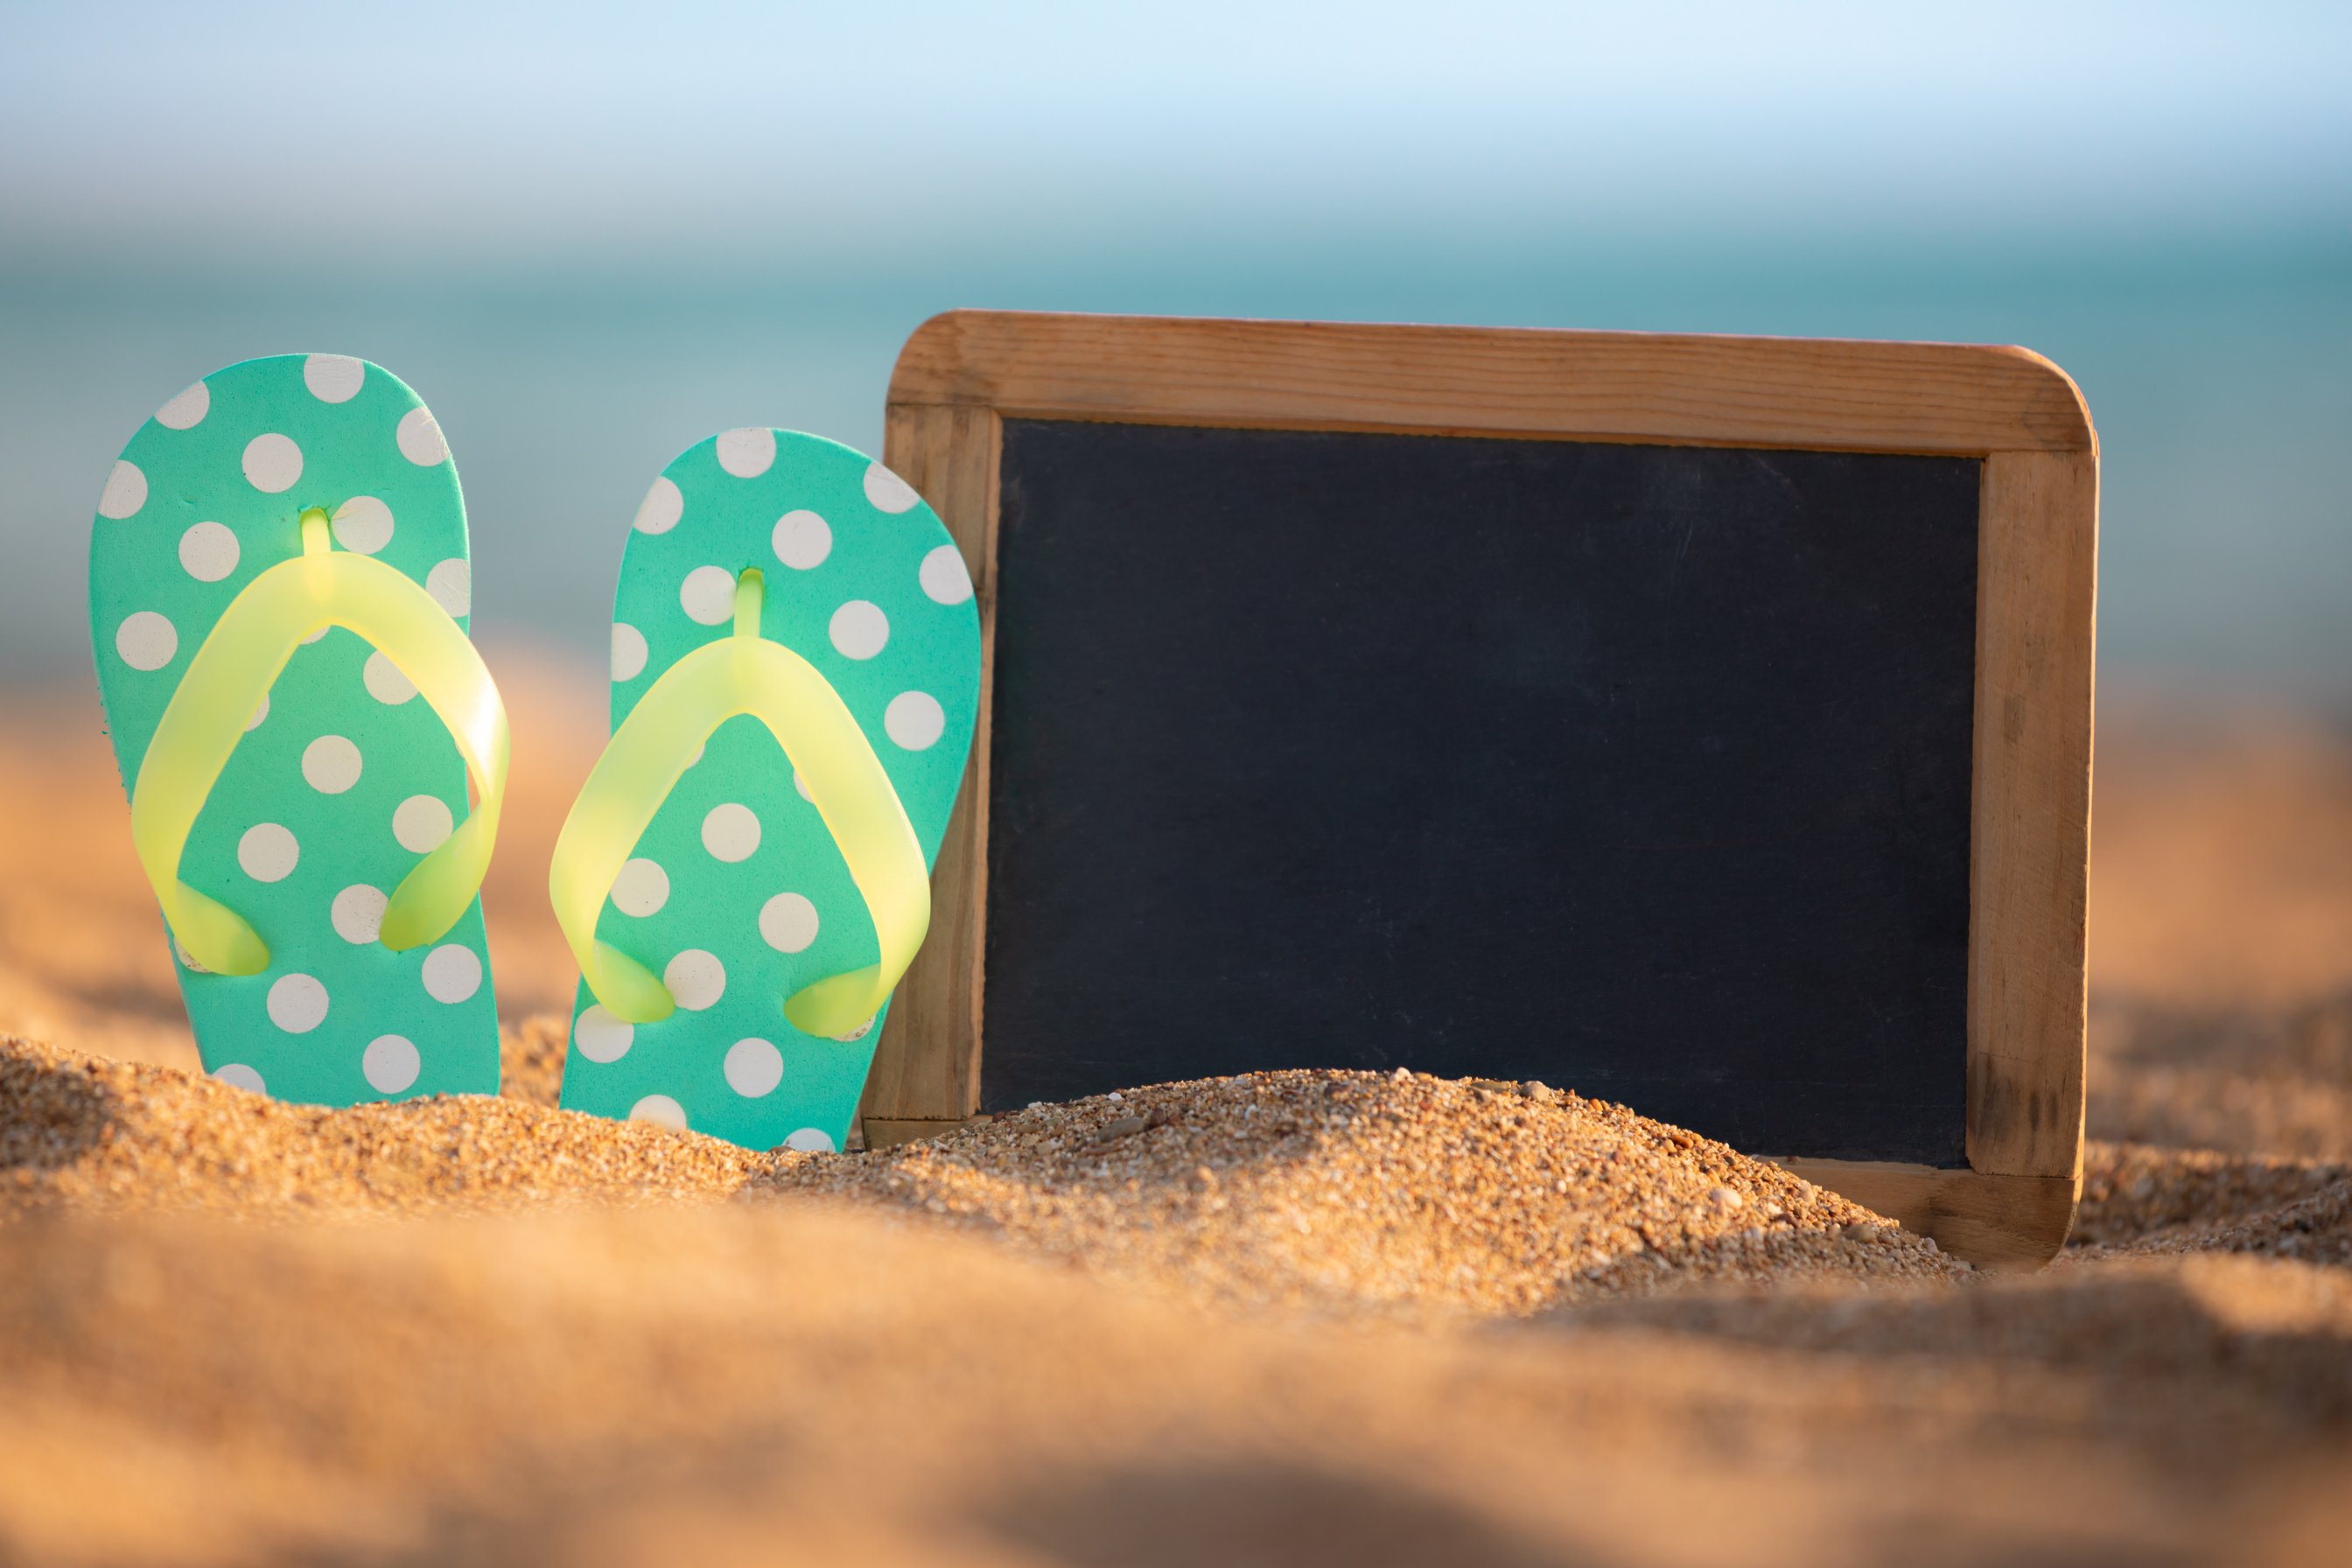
point(1332, 1192)
point(1401, 1194)
point(2137, 1199)
point(1294, 1317)
point(84, 1133)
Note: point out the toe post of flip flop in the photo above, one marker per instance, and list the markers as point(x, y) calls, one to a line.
point(745, 876)
point(279, 585)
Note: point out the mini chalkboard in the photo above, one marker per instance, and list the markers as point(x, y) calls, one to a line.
point(1702, 723)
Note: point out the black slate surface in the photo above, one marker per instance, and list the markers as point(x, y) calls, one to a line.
point(1644, 771)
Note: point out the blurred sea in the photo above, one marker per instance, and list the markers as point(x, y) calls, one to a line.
point(2219, 372)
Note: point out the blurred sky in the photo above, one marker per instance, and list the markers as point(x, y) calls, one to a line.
point(592, 235)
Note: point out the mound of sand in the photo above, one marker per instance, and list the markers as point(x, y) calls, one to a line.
point(85, 1132)
point(1327, 1190)
point(1402, 1193)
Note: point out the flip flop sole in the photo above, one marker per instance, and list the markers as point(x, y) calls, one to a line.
point(736, 893)
point(344, 778)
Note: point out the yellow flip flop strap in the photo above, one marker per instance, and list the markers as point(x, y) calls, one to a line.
point(229, 678)
point(653, 748)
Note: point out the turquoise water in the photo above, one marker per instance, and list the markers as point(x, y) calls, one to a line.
point(2219, 374)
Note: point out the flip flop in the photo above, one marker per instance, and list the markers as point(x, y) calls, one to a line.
point(740, 912)
point(278, 572)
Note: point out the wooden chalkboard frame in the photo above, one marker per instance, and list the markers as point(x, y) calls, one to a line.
point(962, 373)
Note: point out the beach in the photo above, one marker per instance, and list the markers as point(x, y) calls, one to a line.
point(1290, 1317)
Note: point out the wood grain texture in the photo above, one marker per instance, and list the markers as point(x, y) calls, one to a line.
point(2036, 603)
point(927, 1064)
point(1993, 1221)
point(1825, 395)
point(962, 372)
point(883, 1132)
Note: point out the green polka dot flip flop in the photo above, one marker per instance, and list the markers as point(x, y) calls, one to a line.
point(747, 872)
point(277, 572)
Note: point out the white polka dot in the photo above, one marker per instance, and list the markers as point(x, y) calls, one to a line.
point(209, 552)
point(187, 958)
point(629, 651)
point(314, 637)
point(661, 509)
point(859, 629)
point(298, 1003)
point(187, 411)
point(801, 785)
point(125, 492)
point(730, 832)
point(237, 1075)
point(691, 761)
point(915, 721)
point(385, 682)
point(886, 491)
point(357, 913)
point(788, 922)
point(755, 1068)
point(602, 1037)
point(696, 979)
point(268, 852)
point(810, 1140)
point(422, 823)
point(451, 584)
point(748, 453)
point(272, 463)
point(452, 973)
point(420, 438)
point(362, 525)
point(259, 714)
point(708, 594)
point(660, 1110)
point(857, 1034)
point(146, 640)
point(334, 378)
point(943, 576)
point(641, 889)
point(802, 540)
point(390, 1062)
point(330, 765)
